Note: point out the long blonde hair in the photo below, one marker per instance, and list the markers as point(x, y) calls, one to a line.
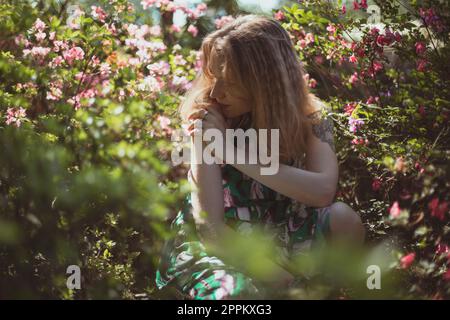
point(259, 56)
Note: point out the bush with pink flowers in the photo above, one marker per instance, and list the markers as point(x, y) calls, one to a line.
point(88, 100)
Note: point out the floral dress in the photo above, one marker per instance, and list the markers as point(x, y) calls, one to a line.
point(294, 228)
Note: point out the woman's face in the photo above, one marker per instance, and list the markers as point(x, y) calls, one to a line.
point(232, 98)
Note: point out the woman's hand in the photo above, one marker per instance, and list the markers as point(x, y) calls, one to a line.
point(211, 118)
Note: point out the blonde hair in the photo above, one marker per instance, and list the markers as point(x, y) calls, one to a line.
point(260, 58)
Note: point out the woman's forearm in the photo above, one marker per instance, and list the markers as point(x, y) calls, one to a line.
point(207, 197)
point(311, 188)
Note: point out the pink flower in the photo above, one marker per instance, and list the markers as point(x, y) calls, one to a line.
point(438, 209)
point(420, 48)
point(344, 9)
point(227, 198)
point(98, 13)
point(15, 116)
point(406, 261)
point(148, 3)
point(40, 36)
point(355, 124)
point(56, 62)
point(220, 23)
point(353, 78)
point(441, 248)
point(201, 8)
point(372, 100)
point(75, 53)
point(349, 108)
point(179, 60)
point(376, 184)
point(302, 43)
point(193, 30)
point(353, 59)
point(309, 38)
point(355, 5)
point(363, 4)
point(279, 15)
point(377, 66)
point(39, 25)
point(331, 28)
point(175, 28)
point(395, 210)
point(421, 65)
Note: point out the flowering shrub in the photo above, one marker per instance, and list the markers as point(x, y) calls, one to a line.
point(87, 107)
point(387, 85)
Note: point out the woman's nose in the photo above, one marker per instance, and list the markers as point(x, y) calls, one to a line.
point(217, 91)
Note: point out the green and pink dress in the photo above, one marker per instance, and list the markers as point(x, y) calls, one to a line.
point(294, 228)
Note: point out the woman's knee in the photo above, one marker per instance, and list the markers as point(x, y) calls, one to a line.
point(345, 223)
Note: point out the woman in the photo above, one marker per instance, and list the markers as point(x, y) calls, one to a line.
point(252, 78)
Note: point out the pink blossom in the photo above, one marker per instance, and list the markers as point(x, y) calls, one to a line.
point(420, 48)
point(442, 248)
point(75, 53)
point(356, 5)
point(302, 43)
point(349, 108)
point(344, 9)
point(363, 4)
point(376, 184)
point(164, 123)
point(39, 25)
point(52, 35)
point(421, 65)
point(227, 198)
point(406, 261)
point(312, 83)
point(98, 13)
point(359, 141)
point(279, 15)
point(38, 52)
point(377, 66)
point(148, 3)
point(372, 100)
point(201, 8)
point(438, 209)
point(331, 28)
point(353, 78)
point(309, 38)
point(353, 59)
point(56, 62)
point(175, 28)
point(15, 116)
point(55, 92)
point(221, 22)
point(179, 60)
point(193, 30)
point(40, 36)
point(355, 124)
point(159, 68)
point(395, 210)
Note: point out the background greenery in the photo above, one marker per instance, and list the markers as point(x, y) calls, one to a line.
point(87, 111)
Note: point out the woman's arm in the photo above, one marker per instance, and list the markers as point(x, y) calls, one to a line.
point(315, 186)
point(207, 196)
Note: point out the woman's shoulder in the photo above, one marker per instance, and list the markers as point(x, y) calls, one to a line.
point(318, 109)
